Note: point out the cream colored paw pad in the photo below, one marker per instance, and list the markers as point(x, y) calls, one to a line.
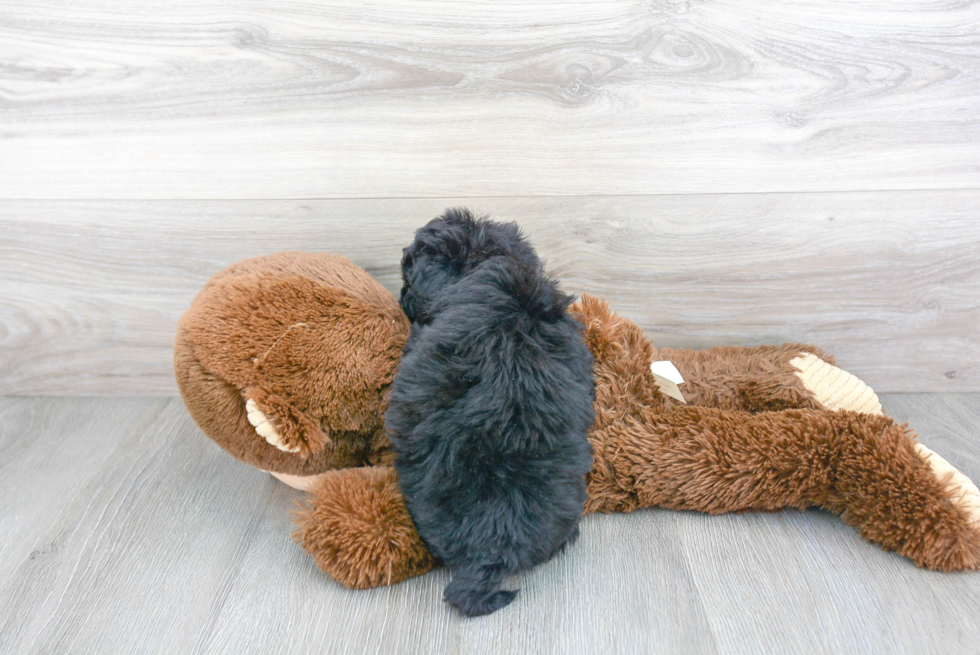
point(833, 387)
point(301, 482)
point(264, 428)
point(964, 493)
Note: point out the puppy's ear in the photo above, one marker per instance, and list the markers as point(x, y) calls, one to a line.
point(425, 279)
point(412, 305)
point(410, 301)
point(478, 239)
point(448, 248)
point(408, 259)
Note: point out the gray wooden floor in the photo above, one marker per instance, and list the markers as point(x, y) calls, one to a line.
point(125, 530)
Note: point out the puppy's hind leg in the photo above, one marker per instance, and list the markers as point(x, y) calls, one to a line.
point(572, 537)
point(474, 590)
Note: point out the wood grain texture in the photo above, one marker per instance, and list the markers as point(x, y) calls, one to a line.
point(437, 98)
point(41, 474)
point(558, 606)
point(846, 597)
point(162, 543)
point(143, 554)
point(91, 290)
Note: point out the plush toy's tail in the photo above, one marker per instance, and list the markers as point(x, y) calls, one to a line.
point(474, 590)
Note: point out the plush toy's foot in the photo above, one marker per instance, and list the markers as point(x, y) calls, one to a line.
point(958, 488)
point(833, 387)
point(356, 526)
point(928, 511)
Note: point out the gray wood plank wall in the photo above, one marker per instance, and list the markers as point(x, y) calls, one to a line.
point(725, 172)
point(91, 291)
point(340, 99)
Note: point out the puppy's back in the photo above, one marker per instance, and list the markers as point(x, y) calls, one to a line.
point(489, 416)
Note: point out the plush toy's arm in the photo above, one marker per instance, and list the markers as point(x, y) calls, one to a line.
point(357, 528)
point(865, 468)
point(767, 378)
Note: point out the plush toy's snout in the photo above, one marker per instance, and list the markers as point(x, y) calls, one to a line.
point(285, 360)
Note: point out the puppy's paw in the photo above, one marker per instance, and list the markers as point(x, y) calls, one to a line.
point(480, 605)
point(264, 428)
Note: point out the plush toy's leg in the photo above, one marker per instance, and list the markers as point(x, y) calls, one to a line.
point(766, 378)
point(358, 530)
point(865, 468)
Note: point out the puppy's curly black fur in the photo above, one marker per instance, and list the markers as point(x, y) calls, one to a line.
point(490, 409)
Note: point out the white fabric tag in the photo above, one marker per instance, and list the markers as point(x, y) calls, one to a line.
point(668, 377)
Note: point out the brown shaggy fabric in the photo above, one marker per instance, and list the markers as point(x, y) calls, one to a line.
point(651, 451)
point(758, 379)
point(358, 530)
point(313, 339)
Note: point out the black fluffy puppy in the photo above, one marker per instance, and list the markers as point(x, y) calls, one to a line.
point(490, 409)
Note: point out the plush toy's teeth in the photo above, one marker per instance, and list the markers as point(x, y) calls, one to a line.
point(255, 417)
point(264, 428)
point(269, 433)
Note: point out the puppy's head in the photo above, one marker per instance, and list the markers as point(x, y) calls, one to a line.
point(447, 249)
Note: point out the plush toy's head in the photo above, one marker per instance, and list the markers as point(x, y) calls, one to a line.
point(309, 340)
point(448, 248)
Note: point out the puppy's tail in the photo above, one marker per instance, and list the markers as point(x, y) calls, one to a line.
point(474, 590)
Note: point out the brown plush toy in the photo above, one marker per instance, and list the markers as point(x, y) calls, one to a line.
point(285, 361)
